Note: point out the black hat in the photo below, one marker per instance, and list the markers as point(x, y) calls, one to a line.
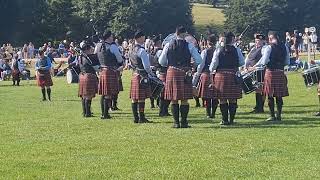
point(229, 35)
point(180, 30)
point(107, 34)
point(212, 39)
point(41, 50)
point(156, 38)
point(138, 34)
point(260, 36)
point(275, 33)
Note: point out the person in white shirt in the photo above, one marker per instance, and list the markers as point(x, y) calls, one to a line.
point(314, 41)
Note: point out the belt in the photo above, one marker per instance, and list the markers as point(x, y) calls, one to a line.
point(180, 68)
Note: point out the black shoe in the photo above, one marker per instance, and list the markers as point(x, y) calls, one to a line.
point(225, 123)
point(144, 120)
point(257, 111)
point(272, 119)
point(317, 114)
point(107, 116)
point(176, 126)
point(44, 99)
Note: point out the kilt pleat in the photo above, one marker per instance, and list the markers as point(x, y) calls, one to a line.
point(205, 87)
point(163, 77)
point(275, 83)
point(175, 86)
point(44, 79)
point(225, 86)
point(88, 85)
point(108, 82)
point(138, 91)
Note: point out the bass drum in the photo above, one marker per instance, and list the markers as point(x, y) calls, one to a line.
point(72, 76)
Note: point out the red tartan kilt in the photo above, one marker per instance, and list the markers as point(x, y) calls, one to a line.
point(204, 88)
point(108, 83)
point(163, 77)
point(44, 79)
point(138, 92)
point(15, 74)
point(225, 86)
point(175, 87)
point(88, 85)
point(275, 83)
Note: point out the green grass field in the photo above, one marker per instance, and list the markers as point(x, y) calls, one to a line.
point(205, 16)
point(51, 140)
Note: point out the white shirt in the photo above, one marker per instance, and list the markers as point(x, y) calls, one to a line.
point(163, 60)
point(314, 38)
point(113, 49)
point(215, 59)
point(142, 53)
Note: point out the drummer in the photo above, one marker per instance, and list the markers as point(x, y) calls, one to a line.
point(253, 57)
point(111, 64)
point(140, 89)
point(176, 55)
point(43, 67)
point(226, 61)
point(205, 85)
point(275, 56)
point(88, 81)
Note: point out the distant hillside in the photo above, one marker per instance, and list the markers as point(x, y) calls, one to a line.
point(205, 16)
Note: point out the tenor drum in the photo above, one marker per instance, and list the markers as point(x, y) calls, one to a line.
point(248, 84)
point(311, 76)
point(72, 76)
point(157, 87)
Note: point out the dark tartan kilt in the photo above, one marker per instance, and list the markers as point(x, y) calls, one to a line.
point(225, 86)
point(88, 85)
point(275, 83)
point(44, 79)
point(15, 74)
point(175, 87)
point(138, 91)
point(108, 82)
point(163, 77)
point(205, 87)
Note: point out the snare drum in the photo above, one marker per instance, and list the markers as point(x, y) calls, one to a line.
point(157, 87)
point(258, 75)
point(311, 76)
point(248, 84)
point(72, 76)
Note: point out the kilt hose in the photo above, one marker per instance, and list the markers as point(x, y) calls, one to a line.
point(225, 85)
point(138, 91)
point(16, 74)
point(44, 79)
point(275, 84)
point(205, 88)
point(108, 82)
point(318, 88)
point(176, 88)
point(88, 85)
point(163, 77)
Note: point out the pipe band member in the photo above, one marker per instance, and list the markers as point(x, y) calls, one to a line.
point(110, 58)
point(253, 57)
point(88, 81)
point(140, 89)
point(43, 67)
point(176, 55)
point(205, 84)
point(275, 57)
point(226, 61)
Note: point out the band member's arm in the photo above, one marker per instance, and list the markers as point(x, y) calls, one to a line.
point(241, 58)
point(266, 51)
point(145, 60)
point(247, 61)
point(215, 60)
point(116, 51)
point(203, 62)
point(163, 60)
point(195, 54)
point(36, 66)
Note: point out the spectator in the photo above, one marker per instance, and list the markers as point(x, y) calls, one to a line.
point(314, 41)
point(6, 70)
point(25, 51)
point(30, 50)
point(61, 49)
point(305, 38)
point(9, 48)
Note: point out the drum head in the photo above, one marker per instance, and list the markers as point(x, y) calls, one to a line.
point(69, 76)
